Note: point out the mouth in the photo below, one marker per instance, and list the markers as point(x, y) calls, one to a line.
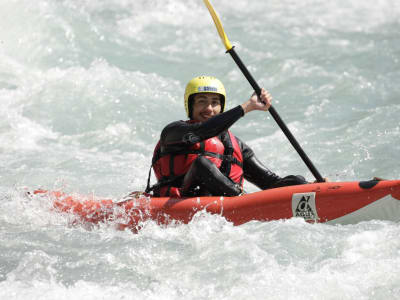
point(206, 116)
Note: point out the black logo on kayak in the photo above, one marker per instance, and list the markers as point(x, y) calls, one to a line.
point(303, 206)
point(304, 209)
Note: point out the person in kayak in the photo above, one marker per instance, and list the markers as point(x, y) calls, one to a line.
point(201, 156)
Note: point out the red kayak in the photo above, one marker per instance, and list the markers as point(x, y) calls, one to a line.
point(334, 202)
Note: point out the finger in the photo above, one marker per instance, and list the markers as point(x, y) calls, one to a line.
point(261, 98)
point(266, 98)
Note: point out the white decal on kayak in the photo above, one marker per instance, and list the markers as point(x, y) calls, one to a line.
point(303, 206)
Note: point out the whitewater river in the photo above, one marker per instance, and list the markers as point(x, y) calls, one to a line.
point(87, 86)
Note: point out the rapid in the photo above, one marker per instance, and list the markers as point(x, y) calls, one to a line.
point(87, 86)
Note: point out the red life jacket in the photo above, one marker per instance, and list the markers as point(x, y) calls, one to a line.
point(170, 168)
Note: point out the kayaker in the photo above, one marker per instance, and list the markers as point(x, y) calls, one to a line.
point(201, 156)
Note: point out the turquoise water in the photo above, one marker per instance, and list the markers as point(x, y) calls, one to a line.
point(85, 89)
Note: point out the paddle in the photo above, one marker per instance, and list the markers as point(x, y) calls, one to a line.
point(230, 49)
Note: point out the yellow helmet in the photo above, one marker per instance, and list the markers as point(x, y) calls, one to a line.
point(203, 84)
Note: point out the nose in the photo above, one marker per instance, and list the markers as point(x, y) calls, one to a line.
point(209, 107)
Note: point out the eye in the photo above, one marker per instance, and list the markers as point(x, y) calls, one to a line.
point(215, 103)
point(201, 102)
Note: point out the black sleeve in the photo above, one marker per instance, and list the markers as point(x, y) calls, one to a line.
point(254, 171)
point(180, 134)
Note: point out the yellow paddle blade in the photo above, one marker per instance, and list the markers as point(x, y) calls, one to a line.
point(218, 24)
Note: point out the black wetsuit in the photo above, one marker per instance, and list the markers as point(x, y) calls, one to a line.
point(179, 135)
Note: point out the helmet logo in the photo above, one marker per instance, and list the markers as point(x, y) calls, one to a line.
point(207, 89)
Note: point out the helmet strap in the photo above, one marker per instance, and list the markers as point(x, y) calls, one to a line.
point(190, 106)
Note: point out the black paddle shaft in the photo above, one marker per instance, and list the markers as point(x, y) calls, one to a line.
point(276, 117)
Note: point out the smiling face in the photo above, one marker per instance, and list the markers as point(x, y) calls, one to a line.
point(205, 106)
